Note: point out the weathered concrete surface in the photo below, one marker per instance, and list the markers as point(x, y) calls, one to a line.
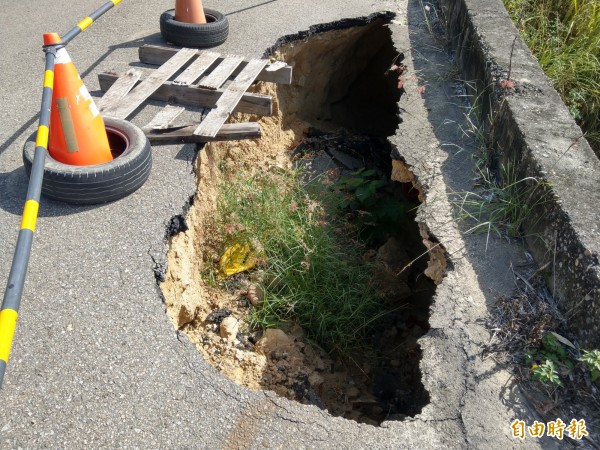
point(96, 363)
point(533, 130)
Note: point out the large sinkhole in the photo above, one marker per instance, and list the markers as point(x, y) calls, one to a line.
point(304, 270)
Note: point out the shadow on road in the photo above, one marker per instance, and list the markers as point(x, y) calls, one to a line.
point(14, 188)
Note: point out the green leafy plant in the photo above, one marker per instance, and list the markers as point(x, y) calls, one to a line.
point(552, 355)
point(546, 360)
point(592, 360)
point(364, 187)
point(376, 213)
point(554, 351)
point(546, 373)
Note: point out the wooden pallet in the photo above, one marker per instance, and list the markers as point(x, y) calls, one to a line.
point(201, 79)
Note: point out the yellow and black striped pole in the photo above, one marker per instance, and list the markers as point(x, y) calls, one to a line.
point(18, 270)
point(68, 37)
point(16, 278)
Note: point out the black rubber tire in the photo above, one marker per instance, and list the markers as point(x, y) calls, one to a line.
point(206, 35)
point(101, 183)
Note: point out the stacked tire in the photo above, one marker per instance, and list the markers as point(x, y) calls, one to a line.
point(210, 34)
point(99, 183)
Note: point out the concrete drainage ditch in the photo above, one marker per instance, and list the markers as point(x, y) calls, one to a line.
point(332, 121)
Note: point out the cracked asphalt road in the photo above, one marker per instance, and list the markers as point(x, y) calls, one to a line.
point(95, 361)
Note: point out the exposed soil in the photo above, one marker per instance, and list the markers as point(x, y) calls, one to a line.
point(331, 71)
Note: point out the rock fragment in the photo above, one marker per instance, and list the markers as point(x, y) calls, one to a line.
point(229, 328)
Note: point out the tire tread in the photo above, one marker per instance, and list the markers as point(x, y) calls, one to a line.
point(100, 183)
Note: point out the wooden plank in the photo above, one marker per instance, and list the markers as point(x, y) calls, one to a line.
point(146, 88)
point(228, 132)
point(197, 68)
point(120, 89)
point(157, 55)
point(221, 73)
point(230, 98)
point(188, 95)
point(164, 117)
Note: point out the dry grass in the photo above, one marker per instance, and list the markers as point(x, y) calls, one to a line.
point(520, 323)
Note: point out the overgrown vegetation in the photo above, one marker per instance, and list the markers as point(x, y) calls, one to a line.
point(501, 201)
point(502, 204)
point(375, 216)
point(309, 257)
point(526, 326)
point(565, 38)
point(528, 330)
point(556, 356)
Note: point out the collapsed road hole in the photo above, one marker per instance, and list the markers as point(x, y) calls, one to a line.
point(345, 81)
point(224, 287)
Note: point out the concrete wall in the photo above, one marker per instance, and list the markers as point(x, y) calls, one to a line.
point(529, 126)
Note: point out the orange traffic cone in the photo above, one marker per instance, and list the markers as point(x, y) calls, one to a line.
point(77, 133)
point(190, 11)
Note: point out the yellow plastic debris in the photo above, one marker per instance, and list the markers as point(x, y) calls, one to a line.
point(237, 258)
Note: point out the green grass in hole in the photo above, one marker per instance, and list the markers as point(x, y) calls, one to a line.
point(565, 38)
point(310, 255)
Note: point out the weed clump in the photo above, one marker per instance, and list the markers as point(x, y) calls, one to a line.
point(309, 259)
point(376, 216)
point(503, 203)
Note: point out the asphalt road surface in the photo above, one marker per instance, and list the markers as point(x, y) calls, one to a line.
point(95, 361)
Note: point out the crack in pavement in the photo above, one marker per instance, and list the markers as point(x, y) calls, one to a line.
point(445, 419)
point(198, 372)
point(296, 421)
